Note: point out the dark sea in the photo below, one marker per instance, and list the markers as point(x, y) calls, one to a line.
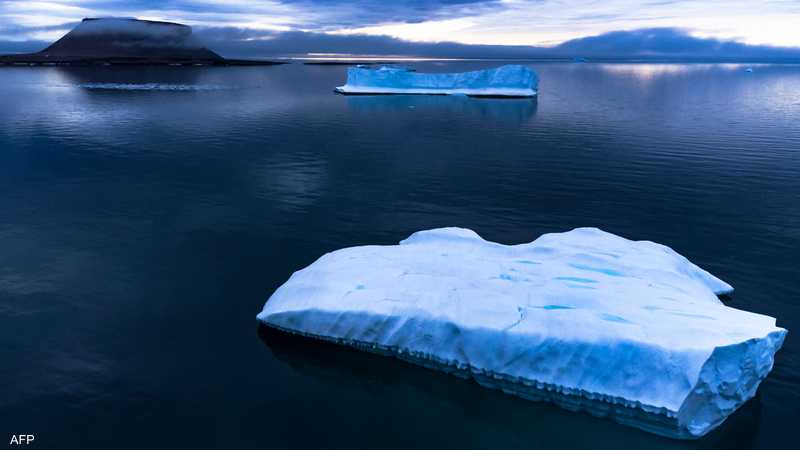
point(146, 215)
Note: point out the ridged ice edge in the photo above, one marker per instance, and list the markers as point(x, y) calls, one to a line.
point(729, 378)
point(679, 424)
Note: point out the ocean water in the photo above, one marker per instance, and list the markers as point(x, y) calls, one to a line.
point(147, 214)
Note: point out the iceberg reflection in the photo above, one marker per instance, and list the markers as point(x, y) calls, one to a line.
point(470, 416)
point(518, 110)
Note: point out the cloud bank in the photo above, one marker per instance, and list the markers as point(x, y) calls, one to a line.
point(494, 22)
point(652, 44)
point(441, 28)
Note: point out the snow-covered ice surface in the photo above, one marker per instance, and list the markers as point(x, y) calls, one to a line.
point(504, 81)
point(588, 320)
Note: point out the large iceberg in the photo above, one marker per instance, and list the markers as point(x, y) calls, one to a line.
point(504, 81)
point(629, 330)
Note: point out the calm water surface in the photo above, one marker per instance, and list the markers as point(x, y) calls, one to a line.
point(146, 215)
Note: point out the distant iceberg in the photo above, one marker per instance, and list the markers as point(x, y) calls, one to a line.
point(584, 319)
point(505, 81)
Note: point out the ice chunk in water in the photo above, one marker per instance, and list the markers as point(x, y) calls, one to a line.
point(584, 319)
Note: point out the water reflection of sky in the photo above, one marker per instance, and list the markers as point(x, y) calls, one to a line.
point(646, 72)
point(141, 230)
point(290, 180)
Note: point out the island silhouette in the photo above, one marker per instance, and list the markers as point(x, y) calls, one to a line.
point(127, 41)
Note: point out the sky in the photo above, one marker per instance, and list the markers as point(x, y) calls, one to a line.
point(399, 24)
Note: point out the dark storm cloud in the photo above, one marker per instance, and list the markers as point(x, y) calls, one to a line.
point(324, 14)
point(319, 15)
point(359, 13)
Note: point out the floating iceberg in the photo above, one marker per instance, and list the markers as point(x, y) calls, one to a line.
point(505, 81)
point(584, 319)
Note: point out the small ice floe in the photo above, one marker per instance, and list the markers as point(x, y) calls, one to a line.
point(153, 87)
point(505, 81)
point(629, 330)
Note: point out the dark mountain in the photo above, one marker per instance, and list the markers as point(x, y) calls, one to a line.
point(126, 41)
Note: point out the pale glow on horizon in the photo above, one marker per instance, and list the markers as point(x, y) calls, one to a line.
point(524, 23)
